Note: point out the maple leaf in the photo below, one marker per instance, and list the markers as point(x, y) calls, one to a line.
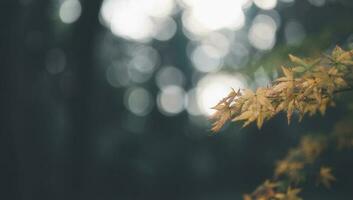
point(292, 194)
point(303, 64)
point(343, 134)
point(337, 51)
point(255, 106)
point(337, 77)
point(221, 117)
point(285, 89)
point(284, 84)
point(223, 111)
point(298, 60)
point(266, 191)
point(311, 147)
point(341, 56)
point(326, 177)
point(307, 88)
point(289, 168)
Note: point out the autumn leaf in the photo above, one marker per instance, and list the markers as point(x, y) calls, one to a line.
point(299, 69)
point(266, 191)
point(341, 56)
point(306, 88)
point(256, 107)
point(326, 177)
point(223, 111)
point(291, 169)
point(312, 147)
point(292, 194)
point(337, 51)
point(298, 60)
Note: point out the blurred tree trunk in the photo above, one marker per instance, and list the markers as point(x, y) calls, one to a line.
point(8, 157)
point(83, 50)
point(31, 167)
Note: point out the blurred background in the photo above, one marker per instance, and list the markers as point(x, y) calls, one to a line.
point(110, 99)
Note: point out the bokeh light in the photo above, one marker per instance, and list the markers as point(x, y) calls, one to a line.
point(266, 4)
point(139, 20)
point(192, 106)
point(145, 58)
point(168, 76)
point(171, 101)
point(287, 1)
point(205, 58)
point(143, 63)
point(166, 29)
point(262, 33)
point(138, 100)
point(201, 17)
point(220, 43)
point(117, 74)
point(70, 11)
point(214, 87)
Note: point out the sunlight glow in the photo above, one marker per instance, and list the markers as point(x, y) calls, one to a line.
point(202, 17)
point(139, 20)
point(212, 88)
point(266, 4)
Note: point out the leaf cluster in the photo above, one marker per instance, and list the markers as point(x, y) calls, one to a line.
point(291, 172)
point(306, 87)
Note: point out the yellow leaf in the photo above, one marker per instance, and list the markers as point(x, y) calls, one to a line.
point(243, 116)
point(251, 119)
point(287, 167)
point(264, 101)
point(326, 177)
point(281, 86)
point(323, 106)
point(290, 110)
point(297, 60)
point(292, 194)
point(248, 93)
point(340, 82)
point(288, 73)
point(299, 69)
point(347, 62)
point(345, 56)
point(337, 51)
point(260, 120)
point(219, 106)
point(281, 106)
